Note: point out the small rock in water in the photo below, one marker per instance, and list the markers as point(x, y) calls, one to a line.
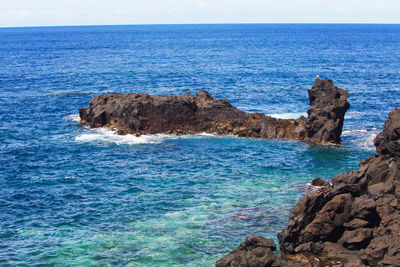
point(319, 182)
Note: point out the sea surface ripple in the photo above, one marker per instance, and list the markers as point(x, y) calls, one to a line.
point(75, 196)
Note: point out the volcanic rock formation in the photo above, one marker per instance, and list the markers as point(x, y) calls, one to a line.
point(354, 221)
point(186, 114)
point(325, 117)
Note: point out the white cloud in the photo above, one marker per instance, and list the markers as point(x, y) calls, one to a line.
point(7, 15)
point(201, 4)
point(79, 12)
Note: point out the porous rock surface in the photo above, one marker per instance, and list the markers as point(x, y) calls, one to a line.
point(354, 221)
point(325, 117)
point(186, 114)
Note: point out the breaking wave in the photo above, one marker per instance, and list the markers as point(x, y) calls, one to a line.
point(293, 115)
point(110, 136)
point(105, 135)
point(362, 138)
point(72, 117)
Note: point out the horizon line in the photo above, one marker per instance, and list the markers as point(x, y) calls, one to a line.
point(213, 23)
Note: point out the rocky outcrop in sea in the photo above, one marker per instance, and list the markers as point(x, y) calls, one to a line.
point(187, 114)
point(352, 221)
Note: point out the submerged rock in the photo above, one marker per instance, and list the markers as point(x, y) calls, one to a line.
point(186, 114)
point(353, 222)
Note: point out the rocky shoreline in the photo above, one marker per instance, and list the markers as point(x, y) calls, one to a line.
point(186, 114)
point(352, 221)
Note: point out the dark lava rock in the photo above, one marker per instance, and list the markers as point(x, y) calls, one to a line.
point(356, 239)
point(186, 114)
point(354, 222)
point(359, 214)
point(388, 141)
point(329, 104)
point(255, 251)
point(319, 182)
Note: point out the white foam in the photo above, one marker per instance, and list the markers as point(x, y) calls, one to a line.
point(314, 187)
point(353, 115)
point(199, 135)
point(206, 134)
point(354, 132)
point(368, 142)
point(105, 135)
point(364, 139)
point(292, 115)
point(72, 117)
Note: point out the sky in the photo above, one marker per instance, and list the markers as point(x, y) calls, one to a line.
point(15, 13)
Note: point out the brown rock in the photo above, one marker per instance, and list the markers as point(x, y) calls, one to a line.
point(388, 141)
point(364, 207)
point(319, 182)
point(356, 239)
point(255, 251)
point(376, 189)
point(357, 220)
point(186, 114)
point(312, 247)
point(328, 222)
point(356, 223)
point(326, 115)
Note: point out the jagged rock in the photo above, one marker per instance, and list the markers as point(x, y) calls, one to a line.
point(363, 229)
point(255, 251)
point(328, 222)
point(356, 223)
point(356, 220)
point(364, 208)
point(319, 182)
point(186, 114)
point(309, 247)
point(356, 239)
point(388, 141)
point(326, 115)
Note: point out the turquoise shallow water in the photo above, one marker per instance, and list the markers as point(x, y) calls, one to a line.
point(75, 196)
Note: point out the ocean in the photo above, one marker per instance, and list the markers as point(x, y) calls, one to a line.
point(73, 196)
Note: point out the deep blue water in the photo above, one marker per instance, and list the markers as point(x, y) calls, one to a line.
point(75, 196)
